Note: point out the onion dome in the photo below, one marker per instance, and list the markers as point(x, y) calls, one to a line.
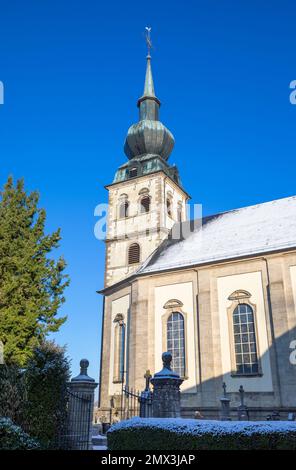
point(149, 135)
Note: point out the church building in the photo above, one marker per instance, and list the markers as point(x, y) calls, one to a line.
point(218, 292)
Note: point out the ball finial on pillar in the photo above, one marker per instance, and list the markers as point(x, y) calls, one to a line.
point(84, 363)
point(167, 359)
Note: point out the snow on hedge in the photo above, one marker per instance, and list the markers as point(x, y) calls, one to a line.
point(12, 437)
point(198, 427)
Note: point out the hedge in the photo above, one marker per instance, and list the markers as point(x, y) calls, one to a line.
point(187, 434)
point(12, 437)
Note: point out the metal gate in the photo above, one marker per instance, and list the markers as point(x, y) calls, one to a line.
point(135, 403)
point(79, 408)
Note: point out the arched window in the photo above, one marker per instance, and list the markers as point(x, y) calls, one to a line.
point(134, 253)
point(169, 207)
point(119, 346)
point(176, 342)
point(123, 209)
point(245, 345)
point(145, 204)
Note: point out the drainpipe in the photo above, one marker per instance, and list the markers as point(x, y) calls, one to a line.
point(197, 344)
point(272, 329)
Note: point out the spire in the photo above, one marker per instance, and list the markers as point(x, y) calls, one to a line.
point(149, 85)
point(148, 103)
point(148, 136)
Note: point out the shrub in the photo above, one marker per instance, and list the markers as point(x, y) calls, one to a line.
point(186, 434)
point(12, 393)
point(47, 375)
point(12, 437)
point(35, 398)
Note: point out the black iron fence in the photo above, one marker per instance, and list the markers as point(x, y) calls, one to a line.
point(136, 403)
point(80, 410)
point(130, 403)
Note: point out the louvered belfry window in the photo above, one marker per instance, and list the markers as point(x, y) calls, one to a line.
point(169, 207)
point(134, 254)
point(145, 204)
point(123, 210)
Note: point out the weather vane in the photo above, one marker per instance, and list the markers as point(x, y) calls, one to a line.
point(148, 39)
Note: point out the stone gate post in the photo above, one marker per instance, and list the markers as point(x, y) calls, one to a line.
point(166, 391)
point(80, 411)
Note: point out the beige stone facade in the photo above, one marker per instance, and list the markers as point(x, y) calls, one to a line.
point(148, 229)
point(204, 294)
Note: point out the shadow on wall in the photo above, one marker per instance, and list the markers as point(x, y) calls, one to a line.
point(272, 389)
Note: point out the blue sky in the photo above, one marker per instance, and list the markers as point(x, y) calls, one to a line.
point(72, 73)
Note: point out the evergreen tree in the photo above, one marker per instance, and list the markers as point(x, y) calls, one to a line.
point(46, 377)
point(31, 283)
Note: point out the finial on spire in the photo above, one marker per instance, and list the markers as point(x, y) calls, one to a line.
point(148, 39)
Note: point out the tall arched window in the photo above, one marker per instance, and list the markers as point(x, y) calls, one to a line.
point(176, 342)
point(145, 204)
point(134, 253)
point(123, 209)
point(245, 345)
point(119, 346)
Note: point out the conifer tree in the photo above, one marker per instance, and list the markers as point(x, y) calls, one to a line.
point(31, 281)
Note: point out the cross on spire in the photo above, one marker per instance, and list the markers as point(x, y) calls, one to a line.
point(148, 39)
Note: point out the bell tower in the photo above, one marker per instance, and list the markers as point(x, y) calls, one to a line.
point(146, 197)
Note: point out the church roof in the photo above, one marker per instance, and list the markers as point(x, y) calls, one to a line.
point(251, 230)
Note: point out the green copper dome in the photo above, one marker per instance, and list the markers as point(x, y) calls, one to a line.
point(149, 135)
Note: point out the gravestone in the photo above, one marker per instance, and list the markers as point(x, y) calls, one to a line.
point(242, 410)
point(225, 405)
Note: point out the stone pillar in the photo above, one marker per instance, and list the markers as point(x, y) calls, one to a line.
point(166, 391)
point(81, 406)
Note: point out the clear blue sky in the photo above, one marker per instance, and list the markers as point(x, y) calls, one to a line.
point(73, 71)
